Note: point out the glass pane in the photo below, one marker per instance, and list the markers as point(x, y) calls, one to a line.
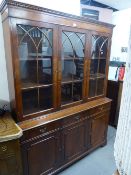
point(71, 92)
point(34, 42)
point(73, 44)
point(72, 70)
point(102, 66)
point(92, 87)
point(100, 86)
point(99, 47)
point(28, 73)
point(30, 101)
point(94, 66)
point(45, 98)
point(45, 71)
point(72, 66)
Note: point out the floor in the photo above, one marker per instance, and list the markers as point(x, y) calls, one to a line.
point(99, 162)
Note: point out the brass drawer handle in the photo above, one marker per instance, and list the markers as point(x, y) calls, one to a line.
point(77, 117)
point(43, 130)
point(4, 148)
point(101, 108)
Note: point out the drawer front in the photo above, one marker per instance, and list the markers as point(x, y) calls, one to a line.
point(41, 130)
point(9, 147)
point(67, 121)
point(99, 109)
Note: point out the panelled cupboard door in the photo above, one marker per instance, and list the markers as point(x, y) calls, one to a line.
point(72, 60)
point(41, 156)
point(36, 58)
point(99, 126)
point(74, 141)
point(99, 58)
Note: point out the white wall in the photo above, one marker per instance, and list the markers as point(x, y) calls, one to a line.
point(4, 93)
point(122, 20)
point(105, 15)
point(68, 6)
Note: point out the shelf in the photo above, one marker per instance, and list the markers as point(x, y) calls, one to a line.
point(35, 59)
point(96, 76)
point(32, 85)
point(98, 58)
point(72, 58)
point(67, 80)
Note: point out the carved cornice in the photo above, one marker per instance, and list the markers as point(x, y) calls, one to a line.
point(45, 10)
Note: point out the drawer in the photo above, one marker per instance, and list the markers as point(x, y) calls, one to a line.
point(72, 119)
point(41, 130)
point(99, 109)
point(8, 148)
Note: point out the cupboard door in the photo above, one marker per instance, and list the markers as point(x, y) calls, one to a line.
point(98, 65)
point(37, 62)
point(41, 156)
point(72, 58)
point(74, 141)
point(99, 125)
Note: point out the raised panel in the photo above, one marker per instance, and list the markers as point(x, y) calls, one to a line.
point(99, 126)
point(41, 154)
point(74, 141)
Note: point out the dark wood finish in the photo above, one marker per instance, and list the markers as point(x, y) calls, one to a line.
point(114, 92)
point(10, 158)
point(62, 142)
point(55, 135)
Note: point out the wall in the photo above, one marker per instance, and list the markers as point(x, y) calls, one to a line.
point(122, 20)
point(67, 6)
point(105, 15)
point(4, 93)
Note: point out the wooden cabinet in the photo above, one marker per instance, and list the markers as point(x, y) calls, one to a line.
point(53, 64)
point(55, 145)
point(57, 67)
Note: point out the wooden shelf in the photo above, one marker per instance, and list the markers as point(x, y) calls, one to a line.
point(96, 76)
point(68, 80)
point(72, 58)
point(32, 85)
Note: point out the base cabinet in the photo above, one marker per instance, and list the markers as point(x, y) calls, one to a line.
point(51, 147)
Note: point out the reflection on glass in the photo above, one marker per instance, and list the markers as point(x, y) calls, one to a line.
point(71, 92)
point(99, 47)
point(73, 44)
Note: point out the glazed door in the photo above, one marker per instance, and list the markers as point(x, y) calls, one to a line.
point(36, 58)
point(100, 44)
point(72, 59)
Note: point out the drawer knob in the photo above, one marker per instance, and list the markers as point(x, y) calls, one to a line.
point(4, 148)
point(77, 117)
point(101, 108)
point(43, 130)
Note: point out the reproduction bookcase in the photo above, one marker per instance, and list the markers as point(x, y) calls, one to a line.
point(57, 67)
